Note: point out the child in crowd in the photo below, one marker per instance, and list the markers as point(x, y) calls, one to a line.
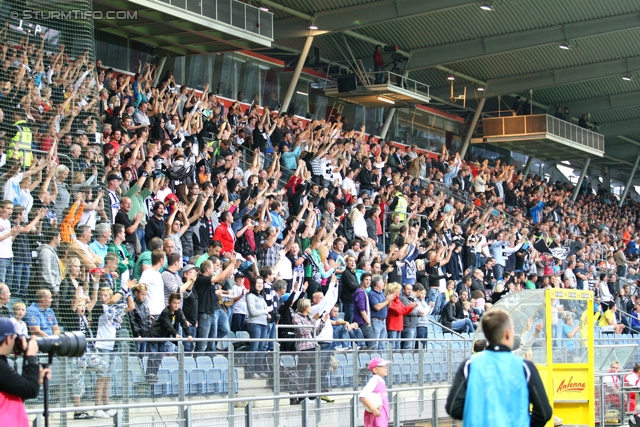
point(238, 293)
point(91, 359)
point(376, 417)
point(19, 310)
point(166, 326)
point(469, 313)
point(479, 303)
point(114, 306)
point(140, 317)
point(426, 307)
point(110, 278)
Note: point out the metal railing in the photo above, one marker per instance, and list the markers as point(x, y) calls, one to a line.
point(214, 382)
point(539, 124)
point(396, 79)
point(205, 389)
point(231, 12)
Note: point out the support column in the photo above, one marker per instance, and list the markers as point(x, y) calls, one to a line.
point(472, 128)
point(606, 178)
point(629, 180)
point(160, 68)
point(527, 166)
point(296, 74)
point(581, 179)
point(387, 123)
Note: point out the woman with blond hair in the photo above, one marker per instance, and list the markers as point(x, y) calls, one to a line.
point(359, 224)
point(305, 344)
point(396, 313)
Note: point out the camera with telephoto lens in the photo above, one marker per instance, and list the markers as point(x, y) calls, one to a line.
point(67, 344)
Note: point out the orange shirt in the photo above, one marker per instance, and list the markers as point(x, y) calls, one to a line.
point(70, 221)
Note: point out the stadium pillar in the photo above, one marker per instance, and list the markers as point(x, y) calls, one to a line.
point(527, 166)
point(296, 74)
point(606, 178)
point(581, 179)
point(387, 123)
point(472, 128)
point(159, 69)
point(389, 118)
point(629, 180)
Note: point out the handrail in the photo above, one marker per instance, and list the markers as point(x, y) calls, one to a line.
point(243, 399)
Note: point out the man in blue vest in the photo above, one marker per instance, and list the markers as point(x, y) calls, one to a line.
point(496, 388)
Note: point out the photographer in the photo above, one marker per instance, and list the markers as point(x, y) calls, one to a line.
point(14, 388)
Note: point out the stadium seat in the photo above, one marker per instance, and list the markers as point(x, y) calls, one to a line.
point(223, 345)
point(408, 358)
point(221, 362)
point(214, 381)
point(337, 376)
point(162, 387)
point(399, 369)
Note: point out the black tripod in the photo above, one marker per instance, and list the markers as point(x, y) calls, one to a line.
point(45, 388)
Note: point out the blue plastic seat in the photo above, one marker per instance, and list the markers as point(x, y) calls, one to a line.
point(223, 345)
point(410, 361)
point(398, 368)
point(161, 387)
point(427, 369)
point(214, 382)
point(346, 362)
point(221, 362)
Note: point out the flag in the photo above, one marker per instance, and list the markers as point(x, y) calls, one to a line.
point(560, 253)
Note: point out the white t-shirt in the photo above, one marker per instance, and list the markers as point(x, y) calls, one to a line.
point(285, 269)
point(5, 246)
point(21, 327)
point(161, 194)
point(349, 187)
point(240, 306)
point(27, 200)
point(12, 188)
point(155, 290)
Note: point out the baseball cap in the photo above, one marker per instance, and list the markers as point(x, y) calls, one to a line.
point(171, 198)
point(114, 176)
point(377, 361)
point(189, 267)
point(7, 328)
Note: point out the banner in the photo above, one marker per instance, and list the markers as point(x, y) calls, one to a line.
point(559, 253)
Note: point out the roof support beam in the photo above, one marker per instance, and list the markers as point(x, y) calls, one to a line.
point(343, 19)
point(462, 51)
point(604, 103)
point(623, 127)
point(562, 76)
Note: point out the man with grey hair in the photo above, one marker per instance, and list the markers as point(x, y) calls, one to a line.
point(99, 245)
point(5, 296)
point(269, 252)
point(75, 151)
point(80, 248)
point(378, 304)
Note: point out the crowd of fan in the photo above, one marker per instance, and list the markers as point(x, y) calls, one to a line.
point(152, 207)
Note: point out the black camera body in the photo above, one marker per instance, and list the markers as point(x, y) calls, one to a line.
point(67, 344)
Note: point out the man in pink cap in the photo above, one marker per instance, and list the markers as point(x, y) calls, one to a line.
point(374, 395)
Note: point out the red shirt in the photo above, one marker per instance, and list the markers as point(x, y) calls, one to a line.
point(225, 235)
point(395, 315)
point(377, 59)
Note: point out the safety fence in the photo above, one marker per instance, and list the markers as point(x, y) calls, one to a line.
point(237, 384)
point(234, 386)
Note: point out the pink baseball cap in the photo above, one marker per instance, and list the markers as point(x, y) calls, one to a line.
point(376, 361)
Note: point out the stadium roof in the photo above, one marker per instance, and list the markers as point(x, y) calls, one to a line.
point(509, 50)
point(181, 28)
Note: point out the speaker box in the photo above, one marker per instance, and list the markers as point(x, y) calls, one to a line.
point(347, 83)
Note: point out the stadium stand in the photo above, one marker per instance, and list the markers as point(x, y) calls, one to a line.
point(120, 191)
